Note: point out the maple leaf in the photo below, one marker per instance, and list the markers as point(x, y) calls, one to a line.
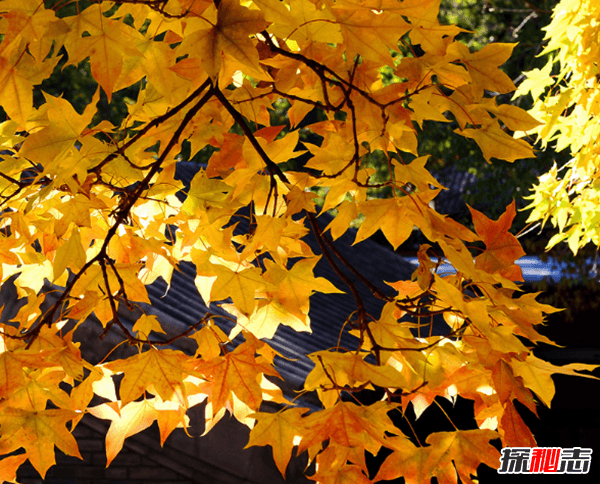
point(18, 73)
point(209, 339)
point(561, 92)
point(8, 470)
point(408, 461)
point(134, 417)
point(345, 474)
point(164, 370)
point(228, 35)
point(391, 216)
point(63, 128)
point(42, 386)
point(70, 253)
point(352, 370)
point(513, 117)
point(295, 286)
point(508, 387)
point(466, 448)
point(369, 34)
point(513, 430)
point(241, 286)
point(12, 365)
point(495, 143)
point(350, 426)
point(108, 43)
point(483, 65)
point(266, 319)
point(502, 248)
point(146, 324)
point(35, 431)
point(236, 372)
point(279, 431)
point(537, 373)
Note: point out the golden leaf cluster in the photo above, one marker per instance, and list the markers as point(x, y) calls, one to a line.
point(566, 93)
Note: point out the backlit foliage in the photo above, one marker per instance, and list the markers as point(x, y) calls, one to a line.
point(567, 99)
point(90, 216)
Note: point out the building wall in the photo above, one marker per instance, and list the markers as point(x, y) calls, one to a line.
point(216, 458)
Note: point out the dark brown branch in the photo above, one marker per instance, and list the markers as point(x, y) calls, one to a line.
point(319, 69)
point(361, 310)
point(374, 289)
point(152, 124)
point(320, 240)
point(113, 306)
point(237, 116)
point(159, 342)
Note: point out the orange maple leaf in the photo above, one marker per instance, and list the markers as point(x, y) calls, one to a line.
point(237, 372)
point(502, 248)
point(466, 448)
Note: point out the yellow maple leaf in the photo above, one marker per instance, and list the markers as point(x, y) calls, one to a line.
point(495, 143)
point(515, 118)
point(164, 370)
point(108, 43)
point(132, 419)
point(13, 364)
point(71, 254)
point(304, 22)
point(483, 66)
point(513, 429)
point(279, 430)
point(295, 286)
point(537, 374)
point(209, 339)
point(348, 425)
point(347, 473)
point(9, 466)
point(266, 319)
point(146, 324)
point(240, 286)
point(407, 460)
point(415, 173)
point(64, 127)
point(390, 215)
point(18, 73)
point(38, 432)
point(369, 34)
point(226, 32)
point(467, 448)
point(350, 369)
point(41, 386)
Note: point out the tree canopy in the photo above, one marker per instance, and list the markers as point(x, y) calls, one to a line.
point(566, 93)
point(91, 216)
